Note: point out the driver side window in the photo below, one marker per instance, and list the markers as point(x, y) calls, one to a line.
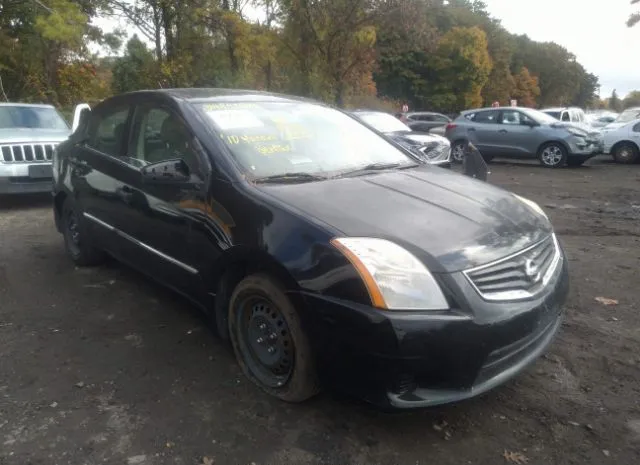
point(160, 135)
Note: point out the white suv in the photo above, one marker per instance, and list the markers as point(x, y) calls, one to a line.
point(28, 136)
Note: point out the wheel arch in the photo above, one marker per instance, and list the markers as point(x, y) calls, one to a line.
point(234, 265)
point(553, 141)
point(624, 141)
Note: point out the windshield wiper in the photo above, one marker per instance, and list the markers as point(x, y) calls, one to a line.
point(374, 167)
point(291, 178)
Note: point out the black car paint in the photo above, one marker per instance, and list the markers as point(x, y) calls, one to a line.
point(199, 237)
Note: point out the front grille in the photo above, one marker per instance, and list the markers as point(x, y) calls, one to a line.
point(21, 153)
point(519, 276)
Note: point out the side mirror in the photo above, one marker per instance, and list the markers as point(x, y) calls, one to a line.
point(79, 114)
point(173, 171)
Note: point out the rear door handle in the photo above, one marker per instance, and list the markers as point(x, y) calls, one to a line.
point(502, 131)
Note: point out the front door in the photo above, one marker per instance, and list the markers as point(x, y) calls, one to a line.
point(164, 224)
point(517, 138)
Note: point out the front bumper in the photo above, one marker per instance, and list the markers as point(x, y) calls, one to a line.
point(404, 360)
point(19, 178)
point(584, 148)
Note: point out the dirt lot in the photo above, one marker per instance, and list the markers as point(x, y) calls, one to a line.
point(103, 366)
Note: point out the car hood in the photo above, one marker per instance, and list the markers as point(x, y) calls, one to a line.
point(613, 126)
point(452, 222)
point(418, 138)
point(29, 135)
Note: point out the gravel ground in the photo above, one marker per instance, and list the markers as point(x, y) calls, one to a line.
point(104, 366)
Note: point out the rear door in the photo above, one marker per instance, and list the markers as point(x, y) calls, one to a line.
point(97, 172)
point(484, 132)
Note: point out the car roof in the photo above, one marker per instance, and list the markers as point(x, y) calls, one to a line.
point(475, 110)
point(18, 104)
point(560, 108)
point(221, 94)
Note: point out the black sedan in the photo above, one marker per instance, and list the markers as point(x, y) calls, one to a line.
point(433, 149)
point(321, 249)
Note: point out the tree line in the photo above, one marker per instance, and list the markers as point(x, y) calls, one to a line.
point(431, 54)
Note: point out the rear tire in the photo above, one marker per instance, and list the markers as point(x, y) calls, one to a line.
point(269, 342)
point(626, 153)
point(76, 238)
point(553, 155)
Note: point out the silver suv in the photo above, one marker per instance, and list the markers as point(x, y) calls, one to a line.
point(28, 136)
point(515, 132)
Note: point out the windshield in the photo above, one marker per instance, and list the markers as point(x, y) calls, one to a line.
point(30, 117)
point(554, 114)
point(273, 138)
point(383, 122)
point(628, 115)
point(540, 116)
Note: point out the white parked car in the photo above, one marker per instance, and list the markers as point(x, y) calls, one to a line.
point(627, 116)
point(623, 141)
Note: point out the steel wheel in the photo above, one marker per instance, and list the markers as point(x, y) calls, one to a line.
point(270, 344)
point(265, 341)
point(457, 152)
point(553, 155)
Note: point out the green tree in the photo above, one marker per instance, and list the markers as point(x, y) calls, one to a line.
point(464, 66)
point(631, 100)
point(614, 102)
point(135, 70)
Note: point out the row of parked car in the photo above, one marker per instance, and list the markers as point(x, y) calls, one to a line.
point(555, 136)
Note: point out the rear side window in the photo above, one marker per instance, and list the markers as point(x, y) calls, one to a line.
point(636, 128)
point(487, 117)
point(107, 131)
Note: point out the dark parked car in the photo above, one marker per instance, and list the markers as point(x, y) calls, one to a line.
point(322, 250)
point(427, 121)
point(435, 150)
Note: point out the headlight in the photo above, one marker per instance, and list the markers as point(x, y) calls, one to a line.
point(531, 204)
point(395, 279)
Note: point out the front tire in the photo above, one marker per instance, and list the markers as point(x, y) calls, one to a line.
point(457, 151)
point(626, 153)
point(76, 238)
point(553, 155)
point(269, 342)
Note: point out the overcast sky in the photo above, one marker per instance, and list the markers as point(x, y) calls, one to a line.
point(594, 30)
